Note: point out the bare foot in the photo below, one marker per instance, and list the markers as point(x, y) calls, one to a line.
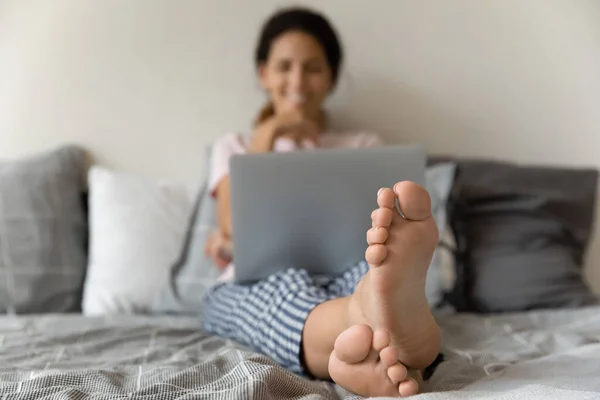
point(390, 299)
point(365, 363)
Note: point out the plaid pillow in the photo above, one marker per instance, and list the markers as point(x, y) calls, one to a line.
point(43, 232)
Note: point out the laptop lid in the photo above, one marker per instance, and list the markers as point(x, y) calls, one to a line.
point(311, 209)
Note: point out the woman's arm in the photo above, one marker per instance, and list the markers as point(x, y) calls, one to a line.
point(224, 206)
point(219, 248)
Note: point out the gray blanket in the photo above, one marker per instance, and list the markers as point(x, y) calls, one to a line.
point(550, 355)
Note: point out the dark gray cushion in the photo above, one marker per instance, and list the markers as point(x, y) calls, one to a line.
point(523, 231)
point(43, 232)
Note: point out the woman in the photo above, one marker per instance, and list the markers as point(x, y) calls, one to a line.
point(369, 330)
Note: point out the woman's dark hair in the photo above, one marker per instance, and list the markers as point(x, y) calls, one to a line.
point(303, 20)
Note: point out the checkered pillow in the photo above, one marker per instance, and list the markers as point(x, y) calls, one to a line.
point(43, 232)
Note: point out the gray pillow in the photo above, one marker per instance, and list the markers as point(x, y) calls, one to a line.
point(43, 232)
point(194, 273)
point(523, 231)
point(439, 180)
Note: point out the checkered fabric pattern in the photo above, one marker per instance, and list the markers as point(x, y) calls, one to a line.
point(43, 232)
point(269, 316)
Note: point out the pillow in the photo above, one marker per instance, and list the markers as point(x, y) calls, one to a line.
point(439, 180)
point(523, 231)
point(195, 273)
point(137, 226)
point(43, 232)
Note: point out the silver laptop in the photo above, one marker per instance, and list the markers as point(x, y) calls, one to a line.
point(311, 209)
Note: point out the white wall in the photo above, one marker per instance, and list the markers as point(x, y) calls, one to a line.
point(146, 84)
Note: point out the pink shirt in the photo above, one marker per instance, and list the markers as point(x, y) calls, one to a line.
point(235, 143)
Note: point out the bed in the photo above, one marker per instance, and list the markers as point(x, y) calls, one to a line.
point(102, 276)
point(532, 355)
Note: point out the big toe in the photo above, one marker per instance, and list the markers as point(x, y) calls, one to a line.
point(357, 363)
point(354, 344)
point(413, 200)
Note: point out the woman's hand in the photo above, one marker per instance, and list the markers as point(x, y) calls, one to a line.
point(292, 125)
point(219, 247)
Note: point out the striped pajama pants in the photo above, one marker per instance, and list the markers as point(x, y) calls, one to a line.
point(269, 316)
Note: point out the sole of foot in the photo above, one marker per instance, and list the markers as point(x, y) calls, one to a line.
point(390, 299)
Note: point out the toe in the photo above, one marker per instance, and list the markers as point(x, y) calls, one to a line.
point(381, 339)
point(383, 217)
point(373, 214)
point(389, 356)
point(414, 201)
point(397, 373)
point(354, 344)
point(408, 388)
point(376, 254)
point(377, 235)
point(386, 198)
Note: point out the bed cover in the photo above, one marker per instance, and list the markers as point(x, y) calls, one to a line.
point(533, 355)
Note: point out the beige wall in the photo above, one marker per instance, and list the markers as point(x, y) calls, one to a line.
point(146, 84)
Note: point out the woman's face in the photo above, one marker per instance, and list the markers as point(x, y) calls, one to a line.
point(296, 75)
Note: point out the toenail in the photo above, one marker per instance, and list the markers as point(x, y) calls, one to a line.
point(379, 192)
point(397, 204)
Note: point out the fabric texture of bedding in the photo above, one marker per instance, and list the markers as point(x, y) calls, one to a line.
point(543, 354)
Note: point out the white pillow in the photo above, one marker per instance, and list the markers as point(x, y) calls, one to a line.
point(137, 229)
